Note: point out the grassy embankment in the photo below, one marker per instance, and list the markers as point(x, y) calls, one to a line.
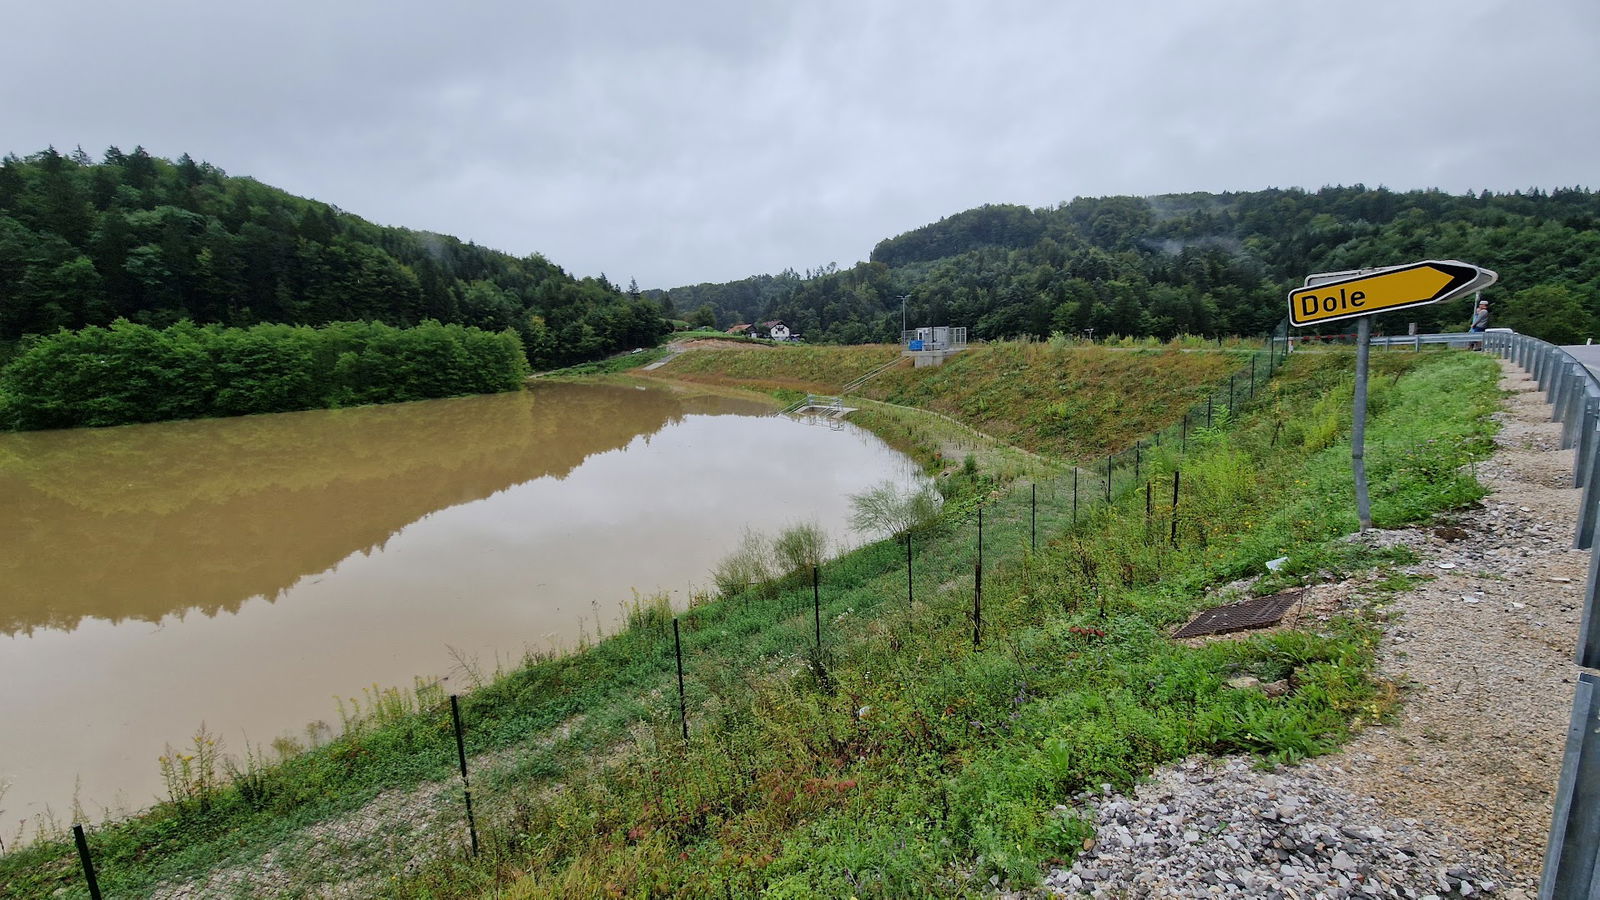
point(1069, 402)
point(901, 760)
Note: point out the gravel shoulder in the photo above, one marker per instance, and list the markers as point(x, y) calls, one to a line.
point(1451, 798)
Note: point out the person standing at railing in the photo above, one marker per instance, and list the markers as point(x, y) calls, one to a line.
point(1479, 323)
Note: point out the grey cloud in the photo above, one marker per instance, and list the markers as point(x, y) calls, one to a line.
point(678, 143)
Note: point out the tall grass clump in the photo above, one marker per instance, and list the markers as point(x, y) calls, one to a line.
point(892, 510)
point(800, 547)
point(748, 566)
point(650, 615)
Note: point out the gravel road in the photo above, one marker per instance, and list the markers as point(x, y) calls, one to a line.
point(1453, 797)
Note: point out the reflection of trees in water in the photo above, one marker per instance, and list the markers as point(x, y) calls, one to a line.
point(143, 521)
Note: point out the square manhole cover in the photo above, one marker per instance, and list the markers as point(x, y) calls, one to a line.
point(1256, 613)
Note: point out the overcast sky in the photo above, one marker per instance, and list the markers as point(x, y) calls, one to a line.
point(705, 141)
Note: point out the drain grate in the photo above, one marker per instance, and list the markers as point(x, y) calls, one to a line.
point(1246, 614)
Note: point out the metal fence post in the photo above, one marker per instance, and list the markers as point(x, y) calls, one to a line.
point(911, 597)
point(1586, 439)
point(1561, 391)
point(683, 702)
point(88, 863)
point(466, 786)
point(1557, 384)
point(977, 589)
point(1572, 414)
point(1583, 538)
point(816, 599)
point(1569, 862)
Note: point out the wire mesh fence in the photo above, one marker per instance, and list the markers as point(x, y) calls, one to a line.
point(476, 799)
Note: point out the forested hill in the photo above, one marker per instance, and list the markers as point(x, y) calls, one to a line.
point(1197, 263)
point(142, 238)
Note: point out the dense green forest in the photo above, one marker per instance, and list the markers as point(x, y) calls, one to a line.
point(1196, 263)
point(135, 373)
point(157, 242)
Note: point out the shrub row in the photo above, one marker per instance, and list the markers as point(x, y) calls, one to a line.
point(135, 373)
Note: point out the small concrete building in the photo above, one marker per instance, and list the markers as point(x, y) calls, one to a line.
point(929, 346)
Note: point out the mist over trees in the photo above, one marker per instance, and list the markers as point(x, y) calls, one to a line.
point(1197, 263)
point(156, 242)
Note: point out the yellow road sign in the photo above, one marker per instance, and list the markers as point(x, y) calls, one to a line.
point(1380, 290)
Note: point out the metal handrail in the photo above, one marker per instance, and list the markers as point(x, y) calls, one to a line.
point(863, 379)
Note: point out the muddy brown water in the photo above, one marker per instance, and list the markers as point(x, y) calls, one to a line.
point(244, 572)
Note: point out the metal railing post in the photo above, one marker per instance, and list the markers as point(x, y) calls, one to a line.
point(1586, 438)
point(1569, 862)
point(1560, 392)
point(1557, 384)
point(1572, 416)
point(1583, 537)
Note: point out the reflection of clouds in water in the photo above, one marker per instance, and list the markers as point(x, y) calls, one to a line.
point(143, 520)
point(702, 481)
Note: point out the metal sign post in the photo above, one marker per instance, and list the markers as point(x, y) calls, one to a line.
point(1358, 424)
point(1359, 294)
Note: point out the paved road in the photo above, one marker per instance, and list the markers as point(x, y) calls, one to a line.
point(1588, 354)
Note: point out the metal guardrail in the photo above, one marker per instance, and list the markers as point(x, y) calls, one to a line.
point(1415, 341)
point(1572, 857)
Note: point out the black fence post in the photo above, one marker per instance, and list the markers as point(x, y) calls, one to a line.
point(1074, 495)
point(88, 864)
point(1184, 448)
point(910, 597)
point(683, 703)
point(1176, 476)
point(461, 756)
point(1108, 479)
point(1208, 410)
point(1252, 378)
point(816, 606)
point(1147, 507)
point(1033, 519)
point(977, 589)
point(977, 607)
point(980, 537)
point(1137, 445)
